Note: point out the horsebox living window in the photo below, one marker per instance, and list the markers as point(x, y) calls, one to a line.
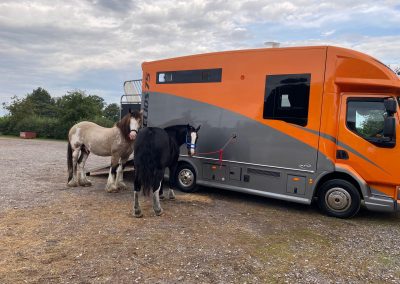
point(190, 76)
point(287, 98)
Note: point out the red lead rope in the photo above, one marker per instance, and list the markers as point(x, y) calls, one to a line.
point(220, 152)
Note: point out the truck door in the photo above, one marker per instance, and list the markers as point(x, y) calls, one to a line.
point(361, 143)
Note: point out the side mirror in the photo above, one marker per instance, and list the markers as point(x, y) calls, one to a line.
point(390, 106)
point(389, 128)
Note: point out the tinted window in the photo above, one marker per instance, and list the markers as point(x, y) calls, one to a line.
point(287, 98)
point(366, 117)
point(190, 76)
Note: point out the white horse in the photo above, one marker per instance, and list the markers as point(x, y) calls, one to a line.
point(87, 137)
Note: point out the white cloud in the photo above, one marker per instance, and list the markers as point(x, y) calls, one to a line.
point(328, 33)
point(55, 43)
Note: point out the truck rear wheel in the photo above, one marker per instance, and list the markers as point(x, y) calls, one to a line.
point(185, 178)
point(339, 198)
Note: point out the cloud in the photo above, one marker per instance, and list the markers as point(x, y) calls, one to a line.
point(328, 33)
point(60, 45)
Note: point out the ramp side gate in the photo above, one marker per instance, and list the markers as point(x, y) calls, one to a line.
point(132, 97)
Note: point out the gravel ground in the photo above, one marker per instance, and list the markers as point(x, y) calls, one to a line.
point(53, 234)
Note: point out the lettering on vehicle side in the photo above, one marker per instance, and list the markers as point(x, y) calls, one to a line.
point(146, 98)
point(305, 166)
point(145, 108)
point(147, 81)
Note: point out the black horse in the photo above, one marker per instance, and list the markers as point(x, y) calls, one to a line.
point(155, 150)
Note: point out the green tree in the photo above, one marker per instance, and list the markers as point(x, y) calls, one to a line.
point(39, 103)
point(19, 108)
point(52, 118)
point(43, 104)
point(112, 112)
point(77, 106)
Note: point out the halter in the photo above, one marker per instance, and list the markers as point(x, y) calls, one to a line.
point(188, 144)
point(135, 131)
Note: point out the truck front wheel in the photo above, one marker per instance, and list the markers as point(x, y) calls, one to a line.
point(185, 178)
point(339, 198)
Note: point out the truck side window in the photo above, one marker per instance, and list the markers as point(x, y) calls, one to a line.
point(287, 98)
point(190, 76)
point(366, 117)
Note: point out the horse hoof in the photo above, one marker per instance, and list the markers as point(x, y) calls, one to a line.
point(85, 183)
point(122, 186)
point(159, 213)
point(171, 194)
point(72, 183)
point(112, 189)
point(138, 214)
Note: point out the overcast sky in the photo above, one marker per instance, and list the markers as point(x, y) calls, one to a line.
point(96, 45)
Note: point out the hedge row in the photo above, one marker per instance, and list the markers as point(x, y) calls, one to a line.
point(45, 127)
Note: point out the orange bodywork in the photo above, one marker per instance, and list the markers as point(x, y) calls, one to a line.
point(336, 74)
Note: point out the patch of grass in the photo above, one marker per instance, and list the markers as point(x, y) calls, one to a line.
point(279, 252)
point(385, 259)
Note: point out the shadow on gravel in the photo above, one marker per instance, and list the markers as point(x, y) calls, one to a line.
point(275, 204)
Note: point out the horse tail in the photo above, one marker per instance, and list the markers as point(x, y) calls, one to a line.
point(69, 161)
point(145, 161)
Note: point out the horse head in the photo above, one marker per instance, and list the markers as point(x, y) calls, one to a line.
point(130, 124)
point(135, 123)
point(191, 139)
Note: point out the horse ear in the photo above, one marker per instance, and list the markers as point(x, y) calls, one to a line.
point(198, 128)
point(130, 111)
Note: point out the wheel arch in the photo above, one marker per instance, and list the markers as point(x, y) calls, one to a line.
point(344, 174)
point(185, 160)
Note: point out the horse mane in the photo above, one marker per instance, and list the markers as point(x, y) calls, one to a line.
point(124, 123)
point(178, 132)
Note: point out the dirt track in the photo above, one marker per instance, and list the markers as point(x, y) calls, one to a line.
point(53, 234)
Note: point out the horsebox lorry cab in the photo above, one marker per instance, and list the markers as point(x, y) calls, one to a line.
point(297, 124)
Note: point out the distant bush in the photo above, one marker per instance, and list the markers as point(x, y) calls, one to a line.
point(45, 127)
point(4, 124)
point(103, 121)
point(52, 118)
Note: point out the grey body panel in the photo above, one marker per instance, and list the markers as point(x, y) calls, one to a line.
point(264, 154)
point(256, 143)
point(269, 158)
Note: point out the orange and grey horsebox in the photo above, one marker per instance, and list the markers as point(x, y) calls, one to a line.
point(297, 124)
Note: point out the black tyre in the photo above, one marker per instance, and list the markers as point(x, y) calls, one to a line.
point(339, 198)
point(185, 178)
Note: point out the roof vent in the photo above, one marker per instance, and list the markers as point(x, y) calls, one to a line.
point(272, 44)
